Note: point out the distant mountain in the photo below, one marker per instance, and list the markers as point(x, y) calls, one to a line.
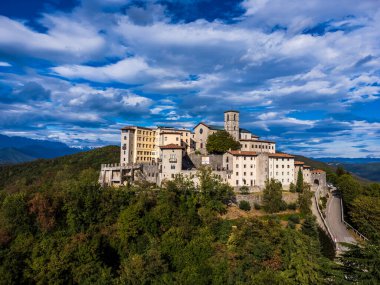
point(11, 155)
point(337, 160)
point(314, 163)
point(20, 149)
point(370, 171)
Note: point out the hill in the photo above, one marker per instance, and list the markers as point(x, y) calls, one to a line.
point(315, 163)
point(34, 174)
point(19, 149)
point(370, 171)
point(11, 155)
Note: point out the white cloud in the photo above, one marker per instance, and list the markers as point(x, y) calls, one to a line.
point(5, 64)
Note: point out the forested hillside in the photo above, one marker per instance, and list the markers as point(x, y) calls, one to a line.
point(57, 226)
point(44, 173)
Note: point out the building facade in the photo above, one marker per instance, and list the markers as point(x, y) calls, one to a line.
point(159, 154)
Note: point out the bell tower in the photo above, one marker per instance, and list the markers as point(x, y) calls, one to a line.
point(231, 123)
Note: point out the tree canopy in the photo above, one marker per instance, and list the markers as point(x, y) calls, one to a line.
point(220, 142)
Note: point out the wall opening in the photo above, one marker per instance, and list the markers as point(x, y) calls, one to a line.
point(316, 181)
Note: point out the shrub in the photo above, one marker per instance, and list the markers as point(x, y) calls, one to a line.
point(294, 218)
point(283, 206)
point(257, 206)
point(244, 190)
point(292, 206)
point(291, 225)
point(244, 205)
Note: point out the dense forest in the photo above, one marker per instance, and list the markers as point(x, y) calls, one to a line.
point(57, 226)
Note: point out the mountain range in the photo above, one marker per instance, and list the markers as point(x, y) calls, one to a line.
point(20, 149)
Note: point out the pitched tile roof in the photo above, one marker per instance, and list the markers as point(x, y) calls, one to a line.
point(282, 155)
point(171, 146)
point(243, 153)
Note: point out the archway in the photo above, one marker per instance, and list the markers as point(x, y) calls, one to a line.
point(316, 181)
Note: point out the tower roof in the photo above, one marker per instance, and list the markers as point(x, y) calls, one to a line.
point(231, 111)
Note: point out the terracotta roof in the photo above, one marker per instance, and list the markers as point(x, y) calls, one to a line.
point(318, 171)
point(211, 127)
point(299, 163)
point(242, 153)
point(306, 166)
point(171, 146)
point(170, 133)
point(285, 155)
point(137, 127)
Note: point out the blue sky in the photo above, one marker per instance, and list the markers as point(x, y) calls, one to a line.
point(306, 74)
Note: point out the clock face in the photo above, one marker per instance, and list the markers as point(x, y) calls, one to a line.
point(201, 131)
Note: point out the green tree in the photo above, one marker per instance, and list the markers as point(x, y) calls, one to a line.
point(309, 226)
point(340, 171)
point(361, 264)
point(349, 187)
point(220, 142)
point(292, 187)
point(299, 186)
point(304, 199)
point(365, 213)
point(272, 198)
point(244, 205)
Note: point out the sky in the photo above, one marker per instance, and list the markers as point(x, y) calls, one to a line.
point(303, 73)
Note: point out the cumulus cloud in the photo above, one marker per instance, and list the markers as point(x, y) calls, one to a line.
point(290, 69)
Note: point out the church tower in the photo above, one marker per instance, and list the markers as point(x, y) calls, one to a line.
point(231, 123)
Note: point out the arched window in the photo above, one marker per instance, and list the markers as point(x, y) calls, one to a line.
point(228, 117)
point(234, 117)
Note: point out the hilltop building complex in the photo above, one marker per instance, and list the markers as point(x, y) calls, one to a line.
point(159, 154)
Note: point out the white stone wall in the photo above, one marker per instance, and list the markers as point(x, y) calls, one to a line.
point(258, 146)
point(171, 163)
point(201, 133)
point(127, 149)
point(282, 169)
point(231, 124)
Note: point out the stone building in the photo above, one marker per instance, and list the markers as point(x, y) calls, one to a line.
point(159, 154)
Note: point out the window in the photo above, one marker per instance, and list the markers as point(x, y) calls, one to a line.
point(244, 159)
point(237, 182)
point(283, 166)
point(125, 137)
point(172, 166)
point(234, 117)
point(237, 173)
point(251, 173)
point(276, 165)
point(245, 173)
point(177, 138)
point(201, 131)
point(228, 117)
point(244, 165)
point(166, 138)
point(237, 165)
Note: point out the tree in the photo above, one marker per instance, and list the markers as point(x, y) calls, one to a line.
point(299, 186)
point(365, 213)
point(340, 171)
point(304, 200)
point(244, 205)
point(361, 263)
point(309, 226)
point(272, 198)
point(349, 187)
point(220, 142)
point(292, 187)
